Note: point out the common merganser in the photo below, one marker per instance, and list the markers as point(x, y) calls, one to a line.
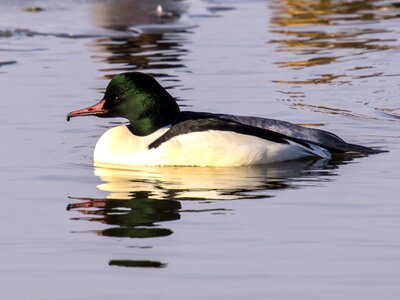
point(160, 134)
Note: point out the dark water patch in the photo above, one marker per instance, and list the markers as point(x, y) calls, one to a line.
point(204, 16)
point(140, 247)
point(377, 74)
point(137, 263)
point(360, 68)
point(5, 63)
point(33, 9)
point(219, 8)
point(139, 233)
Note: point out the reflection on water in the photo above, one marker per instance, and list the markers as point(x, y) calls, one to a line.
point(157, 47)
point(334, 12)
point(136, 263)
point(191, 183)
point(140, 200)
point(135, 218)
point(122, 14)
point(390, 112)
point(329, 32)
point(145, 52)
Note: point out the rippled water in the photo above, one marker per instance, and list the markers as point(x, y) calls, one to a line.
point(295, 230)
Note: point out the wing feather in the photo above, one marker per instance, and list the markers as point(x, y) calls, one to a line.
point(269, 129)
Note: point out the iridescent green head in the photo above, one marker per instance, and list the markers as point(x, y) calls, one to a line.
point(137, 97)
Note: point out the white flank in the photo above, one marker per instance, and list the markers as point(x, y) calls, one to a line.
point(118, 146)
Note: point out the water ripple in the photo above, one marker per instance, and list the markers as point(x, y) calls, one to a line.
point(346, 30)
point(152, 52)
point(4, 63)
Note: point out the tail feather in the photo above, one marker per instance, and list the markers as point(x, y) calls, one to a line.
point(361, 149)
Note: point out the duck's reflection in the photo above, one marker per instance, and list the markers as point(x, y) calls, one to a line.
point(194, 183)
point(134, 219)
point(139, 200)
point(137, 217)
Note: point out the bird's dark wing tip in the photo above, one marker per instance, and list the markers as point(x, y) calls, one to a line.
point(363, 149)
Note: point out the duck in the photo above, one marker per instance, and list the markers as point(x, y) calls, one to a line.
point(160, 134)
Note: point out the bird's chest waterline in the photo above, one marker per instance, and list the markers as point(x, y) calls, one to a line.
point(118, 146)
point(206, 148)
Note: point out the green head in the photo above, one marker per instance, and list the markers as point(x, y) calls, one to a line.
point(137, 97)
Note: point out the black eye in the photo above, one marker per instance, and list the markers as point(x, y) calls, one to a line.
point(117, 99)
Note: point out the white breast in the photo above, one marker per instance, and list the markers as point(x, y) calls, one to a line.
point(118, 146)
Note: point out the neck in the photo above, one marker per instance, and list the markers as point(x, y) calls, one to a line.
point(144, 127)
point(153, 119)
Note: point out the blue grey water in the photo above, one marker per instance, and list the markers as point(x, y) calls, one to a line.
point(298, 230)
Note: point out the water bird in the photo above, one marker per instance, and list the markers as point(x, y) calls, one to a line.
point(160, 134)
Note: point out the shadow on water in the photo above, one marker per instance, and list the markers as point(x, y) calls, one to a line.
point(140, 201)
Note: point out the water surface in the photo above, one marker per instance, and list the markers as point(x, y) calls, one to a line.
point(296, 230)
